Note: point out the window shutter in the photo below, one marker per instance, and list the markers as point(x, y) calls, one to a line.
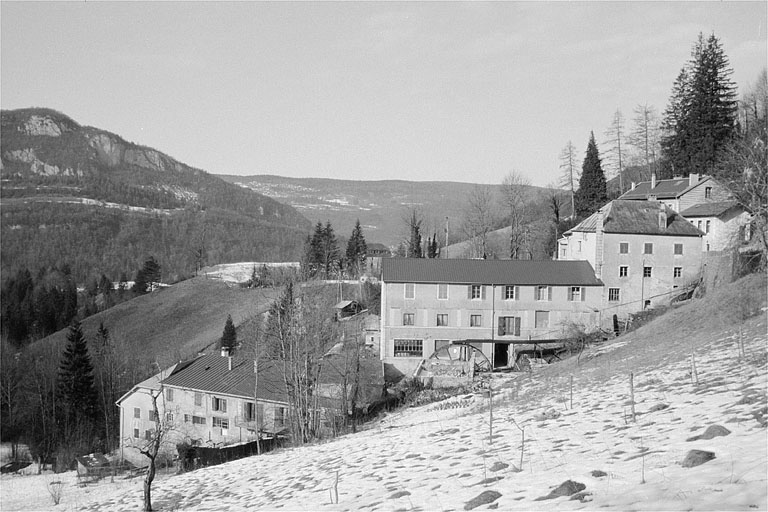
point(482, 292)
point(583, 293)
point(570, 293)
point(517, 293)
point(469, 291)
point(501, 326)
point(549, 293)
point(517, 326)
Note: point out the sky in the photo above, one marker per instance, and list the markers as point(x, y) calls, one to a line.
point(363, 90)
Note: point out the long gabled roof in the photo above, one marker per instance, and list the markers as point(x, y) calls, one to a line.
point(636, 218)
point(211, 374)
point(499, 272)
point(664, 189)
point(709, 209)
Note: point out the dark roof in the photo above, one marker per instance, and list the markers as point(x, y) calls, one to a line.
point(636, 217)
point(709, 209)
point(377, 247)
point(501, 272)
point(664, 189)
point(211, 374)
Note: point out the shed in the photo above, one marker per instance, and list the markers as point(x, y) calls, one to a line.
point(347, 308)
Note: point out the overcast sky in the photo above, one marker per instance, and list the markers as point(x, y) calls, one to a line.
point(416, 91)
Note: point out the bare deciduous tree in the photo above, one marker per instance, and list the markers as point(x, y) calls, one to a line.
point(479, 219)
point(645, 137)
point(515, 192)
point(613, 153)
point(154, 441)
point(570, 173)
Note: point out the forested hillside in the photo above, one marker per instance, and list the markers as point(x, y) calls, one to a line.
point(83, 197)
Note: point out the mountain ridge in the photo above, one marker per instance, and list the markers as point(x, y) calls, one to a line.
point(58, 177)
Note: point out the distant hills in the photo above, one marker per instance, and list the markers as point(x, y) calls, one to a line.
point(85, 197)
point(380, 205)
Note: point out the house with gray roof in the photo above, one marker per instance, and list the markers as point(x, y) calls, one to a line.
point(210, 400)
point(725, 224)
point(500, 307)
point(678, 193)
point(643, 251)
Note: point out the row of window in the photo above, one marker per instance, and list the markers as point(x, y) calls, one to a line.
point(475, 320)
point(511, 292)
point(648, 271)
point(648, 248)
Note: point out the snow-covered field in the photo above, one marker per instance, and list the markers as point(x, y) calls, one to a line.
point(440, 456)
point(241, 272)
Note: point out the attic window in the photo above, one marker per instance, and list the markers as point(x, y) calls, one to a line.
point(708, 193)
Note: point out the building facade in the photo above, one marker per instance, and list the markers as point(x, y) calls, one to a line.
point(725, 224)
point(644, 252)
point(494, 304)
point(679, 193)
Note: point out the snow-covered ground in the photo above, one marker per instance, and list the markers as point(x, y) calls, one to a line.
point(440, 456)
point(241, 272)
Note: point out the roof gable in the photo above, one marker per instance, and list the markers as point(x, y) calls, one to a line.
point(710, 209)
point(499, 272)
point(637, 217)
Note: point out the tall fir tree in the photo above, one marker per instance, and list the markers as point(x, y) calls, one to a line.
point(229, 336)
point(592, 187)
point(700, 120)
point(414, 243)
point(356, 250)
point(75, 379)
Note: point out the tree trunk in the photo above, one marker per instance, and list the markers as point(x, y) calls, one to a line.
point(148, 486)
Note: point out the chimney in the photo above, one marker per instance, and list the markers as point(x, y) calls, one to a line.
point(693, 179)
point(653, 181)
point(225, 351)
point(229, 363)
point(599, 237)
point(662, 219)
point(633, 185)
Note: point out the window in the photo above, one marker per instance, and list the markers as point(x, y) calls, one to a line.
point(440, 344)
point(442, 291)
point(136, 412)
point(249, 411)
point(148, 435)
point(410, 291)
point(511, 292)
point(475, 320)
point(562, 253)
point(221, 422)
point(706, 229)
point(152, 415)
point(169, 417)
point(543, 292)
point(475, 291)
point(708, 193)
point(187, 418)
point(408, 318)
point(623, 271)
point(575, 293)
point(442, 319)
point(408, 348)
point(677, 272)
point(509, 326)
point(579, 246)
point(646, 271)
point(197, 420)
point(219, 404)
point(678, 249)
point(623, 247)
point(198, 399)
point(279, 416)
point(542, 319)
point(647, 248)
point(613, 295)
point(136, 433)
point(169, 394)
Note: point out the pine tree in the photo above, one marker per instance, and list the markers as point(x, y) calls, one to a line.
point(229, 337)
point(414, 243)
point(700, 120)
point(356, 250)
point(330, 249)
point(76, 387)
point(592, 187)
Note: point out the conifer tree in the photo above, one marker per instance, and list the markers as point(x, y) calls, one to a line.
point(356, 250)
point(700, 120)
point(592, 187)
point(229, 337)
point(76, 387)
